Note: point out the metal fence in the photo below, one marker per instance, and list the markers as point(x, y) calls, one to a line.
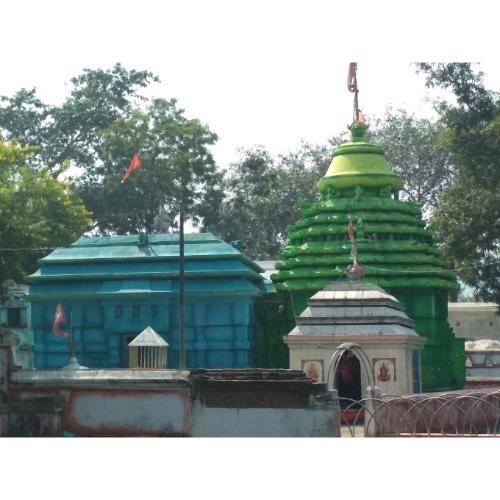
point(422, 415)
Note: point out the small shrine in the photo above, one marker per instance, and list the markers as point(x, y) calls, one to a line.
point(147, 350)
point(362, 315)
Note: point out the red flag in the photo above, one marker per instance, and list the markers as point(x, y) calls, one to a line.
point(134, 163)
point(350, 232)
point(59, 320)
point(351, 77)
point(361, 117)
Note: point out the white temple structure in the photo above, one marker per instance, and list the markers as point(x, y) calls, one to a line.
point(357, 313)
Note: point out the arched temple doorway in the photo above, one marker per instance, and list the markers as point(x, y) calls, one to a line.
point(348, 377)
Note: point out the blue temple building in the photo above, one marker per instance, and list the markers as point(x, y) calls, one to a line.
point(111, 288)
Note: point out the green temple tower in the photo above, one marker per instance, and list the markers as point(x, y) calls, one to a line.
point(395, 248)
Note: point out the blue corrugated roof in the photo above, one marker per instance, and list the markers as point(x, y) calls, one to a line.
point(128, 248)
point(153, 239)
point(129, 265)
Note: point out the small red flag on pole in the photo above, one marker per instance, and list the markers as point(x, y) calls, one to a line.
point(59, 320)
point(134, 163)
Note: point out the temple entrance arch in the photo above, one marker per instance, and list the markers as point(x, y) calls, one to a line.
point(348, 367)
point(348, 376)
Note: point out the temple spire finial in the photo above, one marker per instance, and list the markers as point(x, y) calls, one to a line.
point(352, 86)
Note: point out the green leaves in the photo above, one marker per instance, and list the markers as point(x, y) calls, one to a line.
point(97, 129)
point(467, 224)
point(72, 132)
point(36, 212)
point(261, 198)
point(467, 221)
point(474, 102)
point(413, 147)
point(176, 163)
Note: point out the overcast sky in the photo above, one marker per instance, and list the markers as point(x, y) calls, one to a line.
point(268, 73)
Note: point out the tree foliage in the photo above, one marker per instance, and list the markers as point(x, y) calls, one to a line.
point(36, 212)
point(96, 130)
point(467, 220)
point(176, 163)
point(70, 134)
point(262, 194)
point(414, 150)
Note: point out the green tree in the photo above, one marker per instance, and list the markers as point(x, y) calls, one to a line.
point(244, 213)
point(37, 213)
point(97, 128)
point(414, 150)
point(176, 162)
point(467, 221)
point(262, 195)
point(70, 134)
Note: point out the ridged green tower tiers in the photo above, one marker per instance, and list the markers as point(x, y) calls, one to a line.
point(395, 249)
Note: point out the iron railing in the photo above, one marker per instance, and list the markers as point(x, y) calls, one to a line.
point(418, 415)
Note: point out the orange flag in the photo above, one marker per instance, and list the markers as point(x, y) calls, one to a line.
point(134, 163)
point(59, 322)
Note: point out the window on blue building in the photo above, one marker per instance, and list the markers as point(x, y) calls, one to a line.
point(136, 312)
point(118, 312)
point(153, 311)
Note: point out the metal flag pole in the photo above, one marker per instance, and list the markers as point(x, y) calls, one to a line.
point(71, 338)
point(356, 92)
point(73, 361)
point(182, 339)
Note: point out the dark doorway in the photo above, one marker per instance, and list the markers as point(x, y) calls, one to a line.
point(14, 317)
point(348, 378)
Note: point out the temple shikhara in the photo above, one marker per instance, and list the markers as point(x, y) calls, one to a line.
point(395, 248)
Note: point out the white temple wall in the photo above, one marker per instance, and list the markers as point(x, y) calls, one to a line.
point(397, 359)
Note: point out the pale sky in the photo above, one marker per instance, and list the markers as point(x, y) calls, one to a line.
point(257, 72)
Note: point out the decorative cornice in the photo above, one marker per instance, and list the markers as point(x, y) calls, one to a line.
point(380, 340)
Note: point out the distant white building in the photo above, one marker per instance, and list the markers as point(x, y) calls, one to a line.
point(15, 317)
point(474, 320)
point(268, 266)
